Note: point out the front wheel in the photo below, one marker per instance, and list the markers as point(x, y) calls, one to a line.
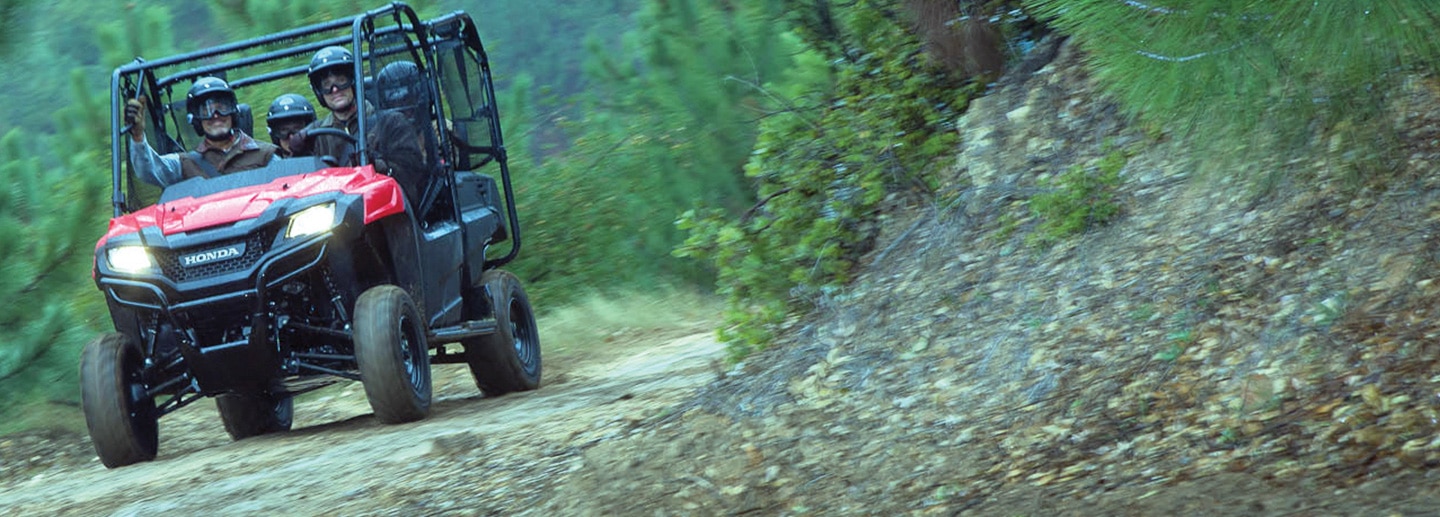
point(123, 422)
point(393, 357)
point(247, 414)
point(508, 360)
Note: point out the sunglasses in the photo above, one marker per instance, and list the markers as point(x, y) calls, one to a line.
point(211, 108)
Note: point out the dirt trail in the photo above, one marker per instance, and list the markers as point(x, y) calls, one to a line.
point(473, 455)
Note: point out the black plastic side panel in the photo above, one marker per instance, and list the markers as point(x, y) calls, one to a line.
point(480, 213)
point(427, 265)
point(403, 244)
point(443, 259)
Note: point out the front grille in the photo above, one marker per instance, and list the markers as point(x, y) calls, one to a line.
point(256, 244)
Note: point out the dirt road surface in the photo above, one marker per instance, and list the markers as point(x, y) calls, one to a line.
point(472, 456)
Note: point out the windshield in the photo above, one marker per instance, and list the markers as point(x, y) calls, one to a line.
point(279, 168)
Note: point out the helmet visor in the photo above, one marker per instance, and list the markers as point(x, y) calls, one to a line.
point(398, 95)
point(212, 107)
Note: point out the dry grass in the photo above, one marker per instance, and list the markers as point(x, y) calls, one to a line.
point(44, 416)
point(587, 325)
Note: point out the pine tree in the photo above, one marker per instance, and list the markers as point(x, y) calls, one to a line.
point(1271, 77)
point(9, 26)
point(240, 19)
point(51, 217)
point(55, 206)
point(668, 125)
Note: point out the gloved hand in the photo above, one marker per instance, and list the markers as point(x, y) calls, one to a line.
point(135, 117)
point(299, 144)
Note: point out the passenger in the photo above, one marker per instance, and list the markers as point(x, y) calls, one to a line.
point(210, 108)
point(288, 114)
point(402, 89)
point(390, 137)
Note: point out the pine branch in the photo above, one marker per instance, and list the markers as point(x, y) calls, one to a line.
point(49, 269)
point(1167, 11)
point(789, 107)
point(761, 204)
point(30, 360)
point(1183, 59)
point(1146, 7)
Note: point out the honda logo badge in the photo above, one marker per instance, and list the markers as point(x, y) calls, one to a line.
point(208, 256)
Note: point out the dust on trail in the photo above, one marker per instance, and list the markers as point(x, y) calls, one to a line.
point(473, 455)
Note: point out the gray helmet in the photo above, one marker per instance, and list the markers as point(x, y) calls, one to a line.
point(288, 107)
point(209, 97)
point(329, 59)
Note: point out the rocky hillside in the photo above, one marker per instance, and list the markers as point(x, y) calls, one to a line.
point(1252, 341)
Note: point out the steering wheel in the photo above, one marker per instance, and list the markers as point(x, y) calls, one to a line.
point(333, 161)
point(310, 135)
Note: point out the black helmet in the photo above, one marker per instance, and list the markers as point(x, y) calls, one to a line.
point(400, 86)
point(209, 97)
point(327, 59)
point(288, 107)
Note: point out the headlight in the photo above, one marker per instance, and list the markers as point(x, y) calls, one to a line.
point(313, 220)
point(129, 259)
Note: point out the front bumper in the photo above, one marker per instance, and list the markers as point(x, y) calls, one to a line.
point(268, 259)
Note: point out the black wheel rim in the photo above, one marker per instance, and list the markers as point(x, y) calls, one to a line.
point(527, 339)
point(411, 351)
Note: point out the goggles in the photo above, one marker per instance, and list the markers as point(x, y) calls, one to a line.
point(284, 133)
point(329, 86)
point(215, 107)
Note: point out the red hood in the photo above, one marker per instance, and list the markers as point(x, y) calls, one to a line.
point(381, 193)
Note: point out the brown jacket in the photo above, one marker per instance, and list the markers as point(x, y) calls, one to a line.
point(155, 169)
point(246, 153)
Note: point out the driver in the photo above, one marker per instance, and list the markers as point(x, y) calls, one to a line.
point(390, 137)
point(210, 107)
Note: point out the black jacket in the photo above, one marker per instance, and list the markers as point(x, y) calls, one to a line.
point(392, 143)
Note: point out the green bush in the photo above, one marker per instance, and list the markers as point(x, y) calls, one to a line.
point(822, 167)
point(1081, 198)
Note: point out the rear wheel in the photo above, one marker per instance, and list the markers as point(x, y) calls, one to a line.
point(393, 356)
point(254, 414)
point(122, 419)
point(508, 360)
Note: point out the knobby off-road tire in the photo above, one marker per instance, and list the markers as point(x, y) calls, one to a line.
point(393, 357)
point(254, 414)
point(123, 422)
point(508, 360)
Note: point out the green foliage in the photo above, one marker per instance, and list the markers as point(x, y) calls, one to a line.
point(823, 163)
point(238, 19)
point(1080, 198)
point(139, 32)
point(50, 211)
point(550, 40)
point(46, 233)
point(1242, 78)
point(9, 23)
point(669, 125)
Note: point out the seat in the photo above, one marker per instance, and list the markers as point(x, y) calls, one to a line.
point(244, 119)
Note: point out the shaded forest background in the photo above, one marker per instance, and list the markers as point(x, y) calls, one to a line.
point(745, 147)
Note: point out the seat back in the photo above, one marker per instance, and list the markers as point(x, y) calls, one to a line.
point(244, 119)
